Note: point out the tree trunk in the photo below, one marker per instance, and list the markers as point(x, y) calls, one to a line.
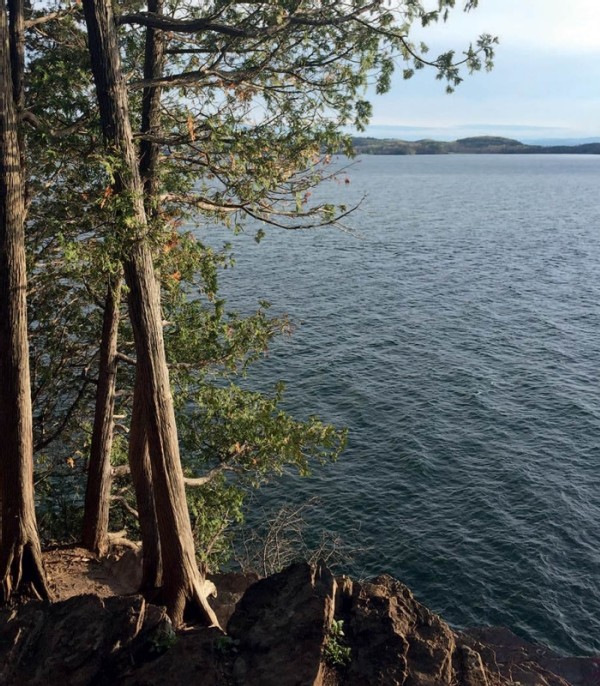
point(16, 11)
point(153, 69)
point(182, 581)
point(141, 475)
point(97, 495)
point(139, 458)
point(21, 569)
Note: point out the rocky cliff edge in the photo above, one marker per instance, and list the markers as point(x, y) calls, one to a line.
point(301, 627)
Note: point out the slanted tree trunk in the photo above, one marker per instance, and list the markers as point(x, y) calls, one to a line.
point(97, 494)
point(139, 458)
point(182, 581)
point(21, 569)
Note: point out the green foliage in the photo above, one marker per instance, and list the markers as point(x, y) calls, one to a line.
point(250, 118)
point(247, 433)
point(162, 638)
point(242, 439)
point(337, 652)
point(225, 645)
point(59, 490)
point(214, 509)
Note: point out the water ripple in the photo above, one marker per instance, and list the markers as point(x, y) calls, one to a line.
point(459, 339)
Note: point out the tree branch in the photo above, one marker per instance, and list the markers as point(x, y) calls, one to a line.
point(40, 445)
point(43, 19)
point(156, 21)
point(126, 358)
point(208, 477)
point(126, 506)
point(118, 538)
point(120, 470)
point(204, 203)
point(34, 121)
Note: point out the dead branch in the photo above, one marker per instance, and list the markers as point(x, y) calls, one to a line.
point(37, 21)
point(126, 358)
point(208, 477)
point(125, 505)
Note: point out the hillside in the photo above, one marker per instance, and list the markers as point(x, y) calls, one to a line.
point(476, 145)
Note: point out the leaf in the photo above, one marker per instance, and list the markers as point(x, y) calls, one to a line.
point(190, 128)
point(107, 194)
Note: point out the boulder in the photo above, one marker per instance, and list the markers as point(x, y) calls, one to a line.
point(469, 668)
point(395, 640)
point(281, 625)
point(73, 642)
point(230, 586)
point(193, 657)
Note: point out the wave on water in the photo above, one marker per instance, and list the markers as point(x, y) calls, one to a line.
point(459, 340)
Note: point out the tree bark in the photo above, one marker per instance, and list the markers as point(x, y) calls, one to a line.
point(21, 568)
point(141, 475)
point(16, 29)
point(153, 69)
point(139, 458)
point(97, 503)
point(182, 581)
point(97, 495)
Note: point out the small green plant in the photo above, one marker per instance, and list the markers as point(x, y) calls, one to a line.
point(337, 653)
point(163, 638)
point(225, 645)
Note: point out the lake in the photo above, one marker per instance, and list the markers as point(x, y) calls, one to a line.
point(458, 337)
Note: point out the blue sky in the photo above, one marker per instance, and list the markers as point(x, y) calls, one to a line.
point(545, 83)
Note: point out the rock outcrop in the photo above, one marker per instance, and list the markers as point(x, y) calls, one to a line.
point(525, 663)
point(300, 627)
point(394, 639)
point(281, 625)
point(76, 641)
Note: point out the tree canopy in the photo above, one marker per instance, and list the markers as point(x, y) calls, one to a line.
point(132, 123)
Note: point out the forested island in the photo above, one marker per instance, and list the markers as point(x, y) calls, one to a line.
point(496, 145)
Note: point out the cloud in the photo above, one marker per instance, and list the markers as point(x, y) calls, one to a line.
point(553, 25)
point(546, 74)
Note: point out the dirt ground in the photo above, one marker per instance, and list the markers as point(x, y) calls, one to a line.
point(74, 571)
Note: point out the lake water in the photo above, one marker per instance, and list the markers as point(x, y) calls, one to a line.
point(458, 337)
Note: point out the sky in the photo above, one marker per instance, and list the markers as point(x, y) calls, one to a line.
point(545, 83)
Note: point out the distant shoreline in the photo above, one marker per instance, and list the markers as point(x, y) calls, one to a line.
point(495, 145)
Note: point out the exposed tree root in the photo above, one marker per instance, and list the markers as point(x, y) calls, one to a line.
point(119, 538)
point(22, 573)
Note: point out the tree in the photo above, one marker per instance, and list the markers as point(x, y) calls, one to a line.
point(303, 61)
point(73, 261)
point(182, 580)
point(139, 456)
point(21, 569)
point(97, 497)
point(240, 110)
point(255, 94)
